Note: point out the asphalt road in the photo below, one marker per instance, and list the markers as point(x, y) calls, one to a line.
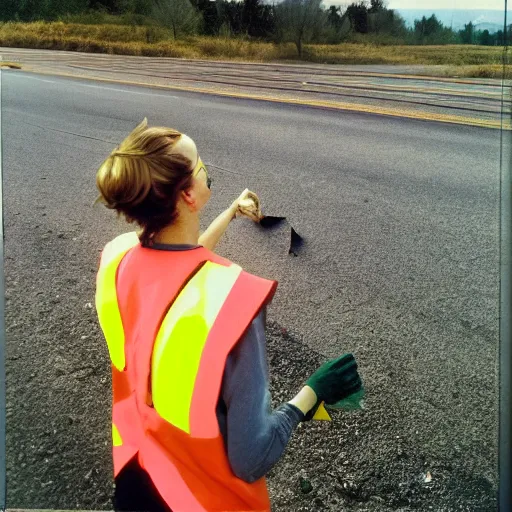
point(398, 89)
point(400, 266)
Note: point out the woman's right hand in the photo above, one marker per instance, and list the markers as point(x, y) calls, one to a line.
point(335, 380)
point(247, 204)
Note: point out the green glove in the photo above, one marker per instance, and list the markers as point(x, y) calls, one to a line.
point(351, 403)
point(338, 384)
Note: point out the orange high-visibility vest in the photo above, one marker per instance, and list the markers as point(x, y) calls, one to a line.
point(170, 319)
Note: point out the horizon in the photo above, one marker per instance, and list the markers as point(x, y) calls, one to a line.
point(455, 17)
point(435, 5)
point(448, 5)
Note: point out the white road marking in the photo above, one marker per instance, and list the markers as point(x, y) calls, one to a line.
point(98, 87)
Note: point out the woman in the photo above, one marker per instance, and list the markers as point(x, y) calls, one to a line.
point(192, 425)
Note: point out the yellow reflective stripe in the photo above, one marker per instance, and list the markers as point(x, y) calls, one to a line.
point(116, 436)
point(107, 307)
point(181, 338)
point(120, 244)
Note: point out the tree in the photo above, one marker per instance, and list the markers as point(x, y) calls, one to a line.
point(53, 9)
point(339, 22)
point(358, 16)
point(257, 19)
point(30, 10)
point(504, 39)
point(500, 39)
point(230, 16)
point(142, 7)
point(387, 21)
point(9, 10)
point(377, 6)
point(334, 16)
point(431, 31)
point(266, 21)
point(111, 6)
point(178, 15)
point(211, 20)
point(301, 21)
point(467, 35)
point(484, 38)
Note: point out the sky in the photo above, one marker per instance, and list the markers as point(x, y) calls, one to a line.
point(449, 4)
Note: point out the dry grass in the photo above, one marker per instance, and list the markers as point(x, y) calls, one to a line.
point(457, 55)
point(100, 34)
point(7, 64)
point(497, 71)
point(479, 61)
point(135, 40)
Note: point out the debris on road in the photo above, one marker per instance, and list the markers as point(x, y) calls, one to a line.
point(305, 485)
point(251, 208)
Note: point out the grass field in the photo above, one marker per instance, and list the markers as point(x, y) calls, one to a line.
point(156, 41)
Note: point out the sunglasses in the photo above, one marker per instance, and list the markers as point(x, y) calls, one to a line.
point(201, 167)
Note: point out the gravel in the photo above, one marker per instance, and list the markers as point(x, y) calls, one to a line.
point(359, 461)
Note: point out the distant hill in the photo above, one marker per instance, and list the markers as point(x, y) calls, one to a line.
point(456, 18)
point(491, 27)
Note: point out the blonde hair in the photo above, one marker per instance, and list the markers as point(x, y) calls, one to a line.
point(142, 178)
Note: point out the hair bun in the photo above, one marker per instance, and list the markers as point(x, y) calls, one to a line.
point(144, 183)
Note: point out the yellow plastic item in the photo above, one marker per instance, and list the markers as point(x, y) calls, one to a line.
point(322, 414)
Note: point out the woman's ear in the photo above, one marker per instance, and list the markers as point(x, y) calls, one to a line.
point(189, 196)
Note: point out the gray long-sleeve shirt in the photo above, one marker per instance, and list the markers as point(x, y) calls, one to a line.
point(255, 436)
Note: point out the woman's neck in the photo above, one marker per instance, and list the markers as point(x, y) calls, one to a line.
point(184, 231)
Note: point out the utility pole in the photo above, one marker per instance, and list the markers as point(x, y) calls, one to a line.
point(3, 481)
point(505, 341)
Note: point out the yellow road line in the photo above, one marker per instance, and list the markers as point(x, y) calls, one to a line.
point(352, 107)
